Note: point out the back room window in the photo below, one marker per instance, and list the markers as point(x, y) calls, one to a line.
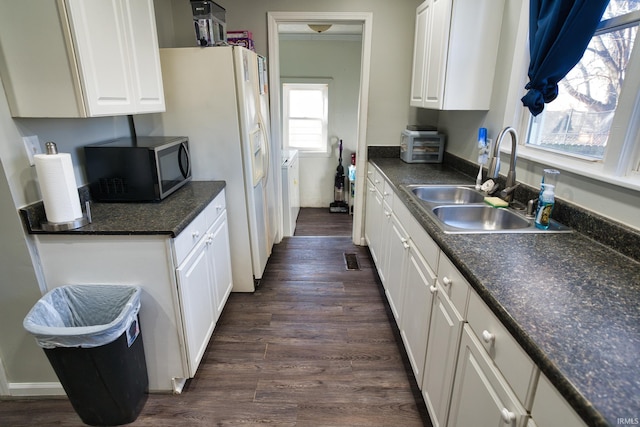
point(305, 116)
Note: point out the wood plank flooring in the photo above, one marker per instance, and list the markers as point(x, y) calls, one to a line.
point(313, 346)
point(321, 222)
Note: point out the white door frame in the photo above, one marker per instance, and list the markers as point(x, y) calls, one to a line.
point(364, 18)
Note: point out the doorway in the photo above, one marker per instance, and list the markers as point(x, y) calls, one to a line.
point(277, 22)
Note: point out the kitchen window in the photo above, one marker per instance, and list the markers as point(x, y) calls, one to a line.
point(305, 117)
point(591, 127)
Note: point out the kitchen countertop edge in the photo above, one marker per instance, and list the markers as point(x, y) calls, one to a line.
point(167, 217)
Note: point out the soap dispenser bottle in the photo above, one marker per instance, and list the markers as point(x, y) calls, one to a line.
point(545, 206)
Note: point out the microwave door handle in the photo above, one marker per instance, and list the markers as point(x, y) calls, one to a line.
point(182, 168)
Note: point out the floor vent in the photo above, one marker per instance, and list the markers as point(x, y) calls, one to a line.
point(352, 261)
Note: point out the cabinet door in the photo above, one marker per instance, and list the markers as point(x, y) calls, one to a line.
point(442, 350)
point(373, 219)
point(145, 57)
point(99, 35)
point(383, 241)
point(420, 46)
point(397, 252)
point(220, 256)
point(438, 45)
point(416, 310)
point(481, 397)
point(117, 54)
point(196, 300)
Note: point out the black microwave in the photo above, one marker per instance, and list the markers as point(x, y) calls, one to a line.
point(142, 169)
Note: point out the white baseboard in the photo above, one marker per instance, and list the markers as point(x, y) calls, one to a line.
point(36, 389)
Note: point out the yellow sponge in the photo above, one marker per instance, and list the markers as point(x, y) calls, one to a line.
point(496, 202)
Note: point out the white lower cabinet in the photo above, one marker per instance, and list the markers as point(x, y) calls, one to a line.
point(373, 222)
point(195, 279)
point(218, 241)
point(416, 309)
point(397, 252)
point(185, 282)
point(442, 352)
point(204, 284)
point(481, 396)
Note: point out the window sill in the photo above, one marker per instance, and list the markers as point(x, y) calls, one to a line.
point(587, 168)
point(302, 153)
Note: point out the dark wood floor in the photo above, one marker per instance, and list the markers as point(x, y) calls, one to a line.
point(313, 346)
point(322, 222)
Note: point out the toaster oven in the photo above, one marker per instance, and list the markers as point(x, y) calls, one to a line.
point(421, 146)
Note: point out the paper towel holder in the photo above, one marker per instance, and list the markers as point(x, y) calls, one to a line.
point(51, 148)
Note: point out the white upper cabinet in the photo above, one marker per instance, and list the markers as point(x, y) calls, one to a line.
point(455, 50)
point(80, 58)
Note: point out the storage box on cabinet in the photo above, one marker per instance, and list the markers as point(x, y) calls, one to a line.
point(507, 355)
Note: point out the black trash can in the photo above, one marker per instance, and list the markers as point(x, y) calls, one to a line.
point(92, 338)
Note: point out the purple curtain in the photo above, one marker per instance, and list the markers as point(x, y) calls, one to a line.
point(559, 33)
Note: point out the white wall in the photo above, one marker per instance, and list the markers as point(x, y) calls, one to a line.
point(338, 60)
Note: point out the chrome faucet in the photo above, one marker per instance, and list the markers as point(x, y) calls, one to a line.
point(494, 164)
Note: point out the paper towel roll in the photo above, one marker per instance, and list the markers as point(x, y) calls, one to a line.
point(58, 187)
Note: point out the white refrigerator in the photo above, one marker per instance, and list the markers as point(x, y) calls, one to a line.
point(218, 97)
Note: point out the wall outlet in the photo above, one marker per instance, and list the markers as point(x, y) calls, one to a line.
point(32, 145)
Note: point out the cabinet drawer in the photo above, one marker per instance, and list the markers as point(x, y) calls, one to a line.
point(426, 245)
point(215, 209)
point(190, 236)
point(376, 178)
point(455, 286)
point(514, 364)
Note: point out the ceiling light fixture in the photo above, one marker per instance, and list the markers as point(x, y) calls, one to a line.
point(319, 28)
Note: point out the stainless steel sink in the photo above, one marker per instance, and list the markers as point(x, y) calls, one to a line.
point(447, 194)
point(459, 209)
point(480, 217)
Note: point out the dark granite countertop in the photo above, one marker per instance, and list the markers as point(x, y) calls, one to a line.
point(170, 216)
point(572, 303)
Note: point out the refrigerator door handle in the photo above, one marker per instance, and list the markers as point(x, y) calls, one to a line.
point(266, 148)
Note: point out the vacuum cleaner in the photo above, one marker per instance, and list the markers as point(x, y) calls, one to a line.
point(339, 205)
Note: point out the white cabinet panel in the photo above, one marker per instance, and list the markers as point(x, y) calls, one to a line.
point(513, 363)
point(218, 240)
point(397, 250)
point(195, 280)
point(481, 396)
point(550, 409)
point(416, 310)
point(373, 222)
point(442, 352)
